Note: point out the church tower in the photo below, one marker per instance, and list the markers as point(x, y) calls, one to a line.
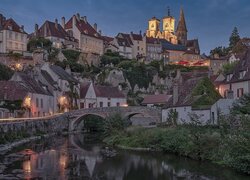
point(153, 27)
point(181, 31)
point(168, 23)
point(169, 28)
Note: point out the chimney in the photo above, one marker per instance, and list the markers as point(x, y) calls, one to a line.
point(100, 32)
point(140, 32)
point(63, 22)
point(84, 18)
point(56, 23)
point(1, 19)
point(175, 93)
point(95, 27)
point(78, 16)
point(131, 32)
point(74, 21)
point(36, 29)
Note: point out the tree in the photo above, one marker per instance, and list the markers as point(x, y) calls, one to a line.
point(229, 67)
point(34, 43)
point(242, 106)
point(220, 51)
point(234, 38)
point(5, 72)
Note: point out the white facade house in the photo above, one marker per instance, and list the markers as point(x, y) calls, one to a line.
point(205, 116)
point(237, 83)
point(95, 96)
point(36, 101)
point(13, 38)
point(62, 81)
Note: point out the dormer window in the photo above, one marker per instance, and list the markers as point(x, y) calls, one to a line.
point(229, 77)
point(242, 74)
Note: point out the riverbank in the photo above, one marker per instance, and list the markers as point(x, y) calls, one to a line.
point(199, 143)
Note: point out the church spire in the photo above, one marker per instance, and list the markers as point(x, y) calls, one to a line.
point(181, 27)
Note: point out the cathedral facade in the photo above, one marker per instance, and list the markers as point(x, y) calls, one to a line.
point(168, 32)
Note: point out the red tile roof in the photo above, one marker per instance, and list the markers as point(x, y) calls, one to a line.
point(12, 91)
point(10, 24)
point(54, 30)
point(83, 27)
point(107, 39)
point(156, 99)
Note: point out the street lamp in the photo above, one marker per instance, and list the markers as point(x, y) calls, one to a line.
point(27, 104)
point(63, 102)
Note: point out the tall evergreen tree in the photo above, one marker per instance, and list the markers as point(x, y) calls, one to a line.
point(234, 38)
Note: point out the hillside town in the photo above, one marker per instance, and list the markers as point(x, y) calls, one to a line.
point(75, 102)
point(71, 65)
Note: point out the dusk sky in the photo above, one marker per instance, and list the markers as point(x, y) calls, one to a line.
point(211, 21)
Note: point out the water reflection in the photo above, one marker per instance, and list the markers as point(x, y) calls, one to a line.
point(74, 157)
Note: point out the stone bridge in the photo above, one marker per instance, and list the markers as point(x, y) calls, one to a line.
point(69, 121)
point(139, 115)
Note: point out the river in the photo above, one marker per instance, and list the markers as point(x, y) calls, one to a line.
point(80, 157)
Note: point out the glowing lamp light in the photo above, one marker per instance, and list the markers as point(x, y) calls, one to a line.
point(124, 105)
point(27, 102)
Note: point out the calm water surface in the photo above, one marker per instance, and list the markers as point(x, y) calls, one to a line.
point(75, 157)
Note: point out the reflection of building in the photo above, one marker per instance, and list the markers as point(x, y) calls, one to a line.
point(100, 96)
point(13, 38)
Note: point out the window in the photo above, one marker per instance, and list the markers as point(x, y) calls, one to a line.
point(38, 114)
point(101, 104)
point(242, 74)
point(240, 92)
point(41, 103)
point(138, 48)
point(37, 102)
point(108, 104)
point(10, 35)
point(82, 105)
point(213, 117)
point(117, 104)
point(90, 105)
point(16, 36)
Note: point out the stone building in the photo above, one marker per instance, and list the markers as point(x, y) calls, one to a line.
point(13, 38)
point(90, 39)
point(56, 34)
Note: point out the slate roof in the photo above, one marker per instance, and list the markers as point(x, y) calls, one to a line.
point(51, 29)
point(184, 93)
point(12, 90)
point(63, 74)
point(101, 91)
point(182, 23)
point(193, 45)
point(83, 27)
point(10, 24)
point(48, 78)
point(243, 65)
point(136, 37)
point(166, 45)
point(156, 99)
point(151, 40)
point(123, 42)
point(31, 84)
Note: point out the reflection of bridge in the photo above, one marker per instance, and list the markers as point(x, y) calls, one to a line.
point(151, 114)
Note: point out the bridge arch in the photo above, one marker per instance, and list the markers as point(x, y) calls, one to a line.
point(80, 119)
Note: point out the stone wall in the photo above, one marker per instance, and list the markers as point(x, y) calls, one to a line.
point(54, 124)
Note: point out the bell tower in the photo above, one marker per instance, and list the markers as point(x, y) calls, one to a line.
point(181, 31)
point(153, 27)
point(169, 23)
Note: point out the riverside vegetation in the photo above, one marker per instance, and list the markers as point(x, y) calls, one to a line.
point(227, 144)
